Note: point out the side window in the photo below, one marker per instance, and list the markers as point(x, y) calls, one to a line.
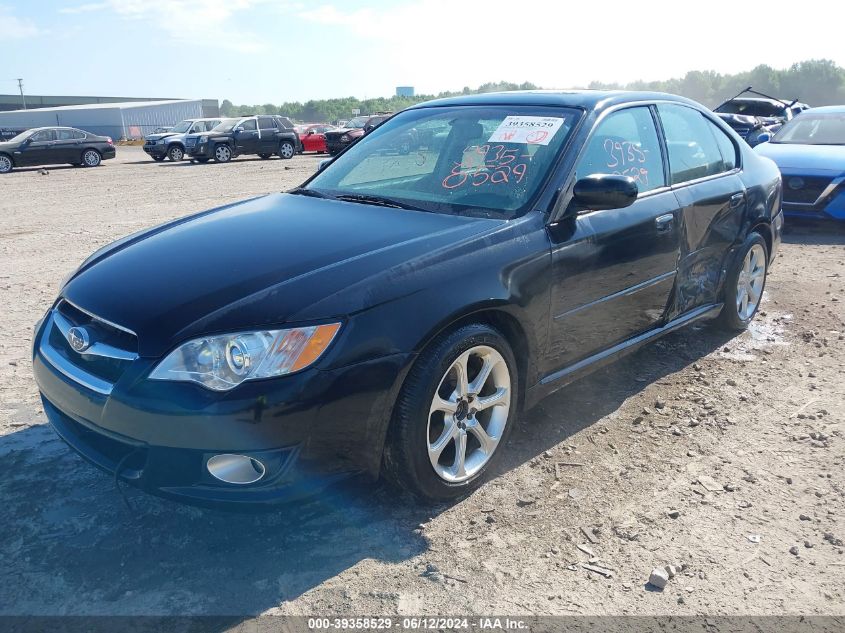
point(249, 125)
point(286, 122)
point(43, 135)
point(625, 143)
point(79, 134)
point(266, 123)
point(726, 147)
point(65, 135)
point(693, 149)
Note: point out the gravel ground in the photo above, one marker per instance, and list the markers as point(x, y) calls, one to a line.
point(722, 456)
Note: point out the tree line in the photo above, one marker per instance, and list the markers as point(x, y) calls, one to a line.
point(816, 82)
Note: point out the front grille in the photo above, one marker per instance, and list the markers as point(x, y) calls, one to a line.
point(803, 189)
point(111, 349)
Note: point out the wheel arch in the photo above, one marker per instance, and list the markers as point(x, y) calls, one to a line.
point(10, 157)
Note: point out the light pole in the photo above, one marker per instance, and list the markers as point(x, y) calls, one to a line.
point(23, 99)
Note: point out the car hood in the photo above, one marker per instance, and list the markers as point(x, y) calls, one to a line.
point(161, 135)
point(829, 158)
point(253, 264)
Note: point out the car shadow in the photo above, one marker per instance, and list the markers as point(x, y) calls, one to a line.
point(816, 232)
point(58, 167)
point(74, 548)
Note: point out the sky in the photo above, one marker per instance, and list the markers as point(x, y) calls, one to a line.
point(271, 51)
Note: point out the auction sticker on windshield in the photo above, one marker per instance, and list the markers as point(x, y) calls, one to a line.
point(535, 130)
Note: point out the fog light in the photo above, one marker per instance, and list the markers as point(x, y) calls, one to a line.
point(235, 469)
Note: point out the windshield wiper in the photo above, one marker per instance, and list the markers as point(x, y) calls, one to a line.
point(376, 200)
point(313, 193)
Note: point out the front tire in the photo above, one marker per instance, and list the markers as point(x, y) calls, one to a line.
point(222, 154)
point(91, 158)
point(745, 284)
point(6, 164)
point(175, 153)
point(453, 414)
point(286, 150)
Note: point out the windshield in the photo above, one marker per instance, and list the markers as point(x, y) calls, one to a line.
point(226, 125)
point(487, 161)
point(357, 122)
point(752, 108)
point(181, 127)
point(19, 137)
point(813, 129)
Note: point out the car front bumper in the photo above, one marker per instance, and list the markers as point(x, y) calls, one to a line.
point(830, 203)
point(156, 151)
point(308, 430)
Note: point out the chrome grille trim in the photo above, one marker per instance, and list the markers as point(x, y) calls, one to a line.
point(67, 368)
point(100, 319)
point(97, 348)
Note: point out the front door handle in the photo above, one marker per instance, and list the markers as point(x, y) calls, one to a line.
point(737, 199)
point(664, 222)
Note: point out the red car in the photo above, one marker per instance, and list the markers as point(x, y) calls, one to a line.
point(312, 137)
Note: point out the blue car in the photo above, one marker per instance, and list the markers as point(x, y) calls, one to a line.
point(810, 153)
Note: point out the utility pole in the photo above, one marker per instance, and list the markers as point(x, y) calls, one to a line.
point(23, 99)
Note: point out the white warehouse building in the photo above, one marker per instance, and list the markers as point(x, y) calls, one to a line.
point(127, 120)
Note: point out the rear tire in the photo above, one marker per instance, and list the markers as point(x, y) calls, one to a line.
point(6, 164)
point(447, 430)
point(286, 150)
point(222, 154)
point(91, 158)
point(176, 153)
point(744, 285)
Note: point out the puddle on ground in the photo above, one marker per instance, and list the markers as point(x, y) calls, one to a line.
point(767, 329)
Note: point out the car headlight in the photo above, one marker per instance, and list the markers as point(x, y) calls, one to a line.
point(224, 361)
point(160, 142)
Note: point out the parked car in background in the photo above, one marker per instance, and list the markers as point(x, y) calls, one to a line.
point(171, 143)
point(53, 146)
point(396, 317)
point(339, 139)
point(756, 119)
point(263, 135)
point(810, 153)
point(312, 136)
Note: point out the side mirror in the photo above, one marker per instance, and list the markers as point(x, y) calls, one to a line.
point(238, 130)
point(323, 163)
point(603, 191)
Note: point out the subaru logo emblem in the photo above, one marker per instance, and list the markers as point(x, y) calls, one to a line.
point(78, 339)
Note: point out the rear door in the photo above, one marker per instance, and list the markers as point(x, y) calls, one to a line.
point(614, 270)
point(704, 175)
point(67, 147)
point(268, 140)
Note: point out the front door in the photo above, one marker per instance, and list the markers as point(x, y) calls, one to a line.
point(614, 270)
point(246, 140)
point(38, 151)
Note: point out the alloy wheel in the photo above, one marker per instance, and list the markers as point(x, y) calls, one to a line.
point(222, 153)
point(749, 283)
point(176, 154)
point(5, 164)
point(468, 414)
point(286, 150)
point(91, 158)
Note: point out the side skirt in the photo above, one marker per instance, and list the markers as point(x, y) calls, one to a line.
point(554, 381)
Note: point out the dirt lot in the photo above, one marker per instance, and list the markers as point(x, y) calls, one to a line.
point(720, 455)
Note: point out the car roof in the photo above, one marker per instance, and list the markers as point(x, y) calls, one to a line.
point(831, 109)
point(587, 99)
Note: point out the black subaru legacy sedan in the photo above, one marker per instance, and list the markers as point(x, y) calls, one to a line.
point(395, 315)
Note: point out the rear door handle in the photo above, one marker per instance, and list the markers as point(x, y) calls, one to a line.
point(737, 199)
point(664, 222)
